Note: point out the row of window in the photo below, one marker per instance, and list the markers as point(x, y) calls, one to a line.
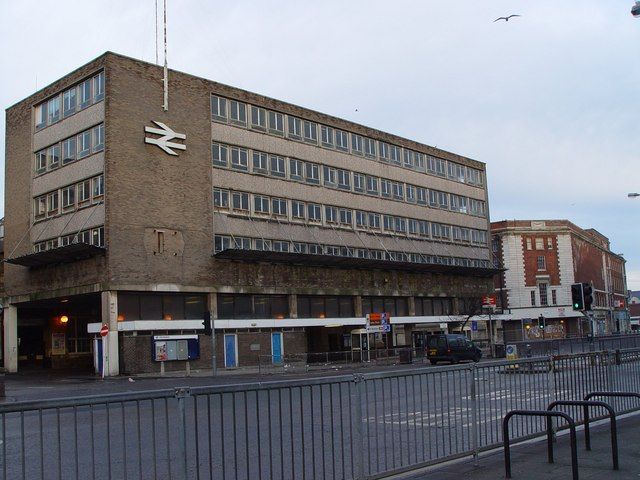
point(331, 216)
point(136, 306)
point(268, 121)
point(244, 306)
point(70, 101)
point(70, 149)
point(246, 160)
point(225, 242)
point(544, 295)
point(69, 198)
point(92, 236)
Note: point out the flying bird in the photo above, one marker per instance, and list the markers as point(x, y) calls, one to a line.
point(506, 19)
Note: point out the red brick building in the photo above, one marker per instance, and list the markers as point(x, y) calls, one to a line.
point(542, 259)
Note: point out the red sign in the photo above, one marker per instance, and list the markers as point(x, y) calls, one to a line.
point(104, 331)
point(489, 301)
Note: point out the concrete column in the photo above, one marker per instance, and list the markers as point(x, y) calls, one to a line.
point(293, 306)
point(411, 303)
point(110, 318)
point(357, 307)
point(10, 335)
point(212, 302)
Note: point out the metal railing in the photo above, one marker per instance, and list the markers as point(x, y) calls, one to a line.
point(563, 346)
point(366, 425)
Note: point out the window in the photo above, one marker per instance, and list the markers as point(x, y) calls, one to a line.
point(97, 237)
point(550, 243)
point(220, 198)
point(277, 166)
point(433, 198)
point(296, 169)
point(280, 246)
point(300, 247)
point(345, 216)
point(68, 150)
point(394, 306)
point(53, 154)
point(408, 158)
point(330, 214)
point(218, 108)
point(240, 201)
point(436, 230)
point(258, 118)
point(312, 173)
point(385, 188)
point(314, 212)
point(263, 245)
point(533, 298)
point(554, 297)
point(297, 209)
point(443, 200)
point(221, 242)
point(383, 148)
point(242, 243)
point(239, 159)
point(98, 186)
point(276, 123)
point(398, 191)
point(260, 162)
point(52, 204)
point(369, 148)
point(85, 93)
point(98, 86)
point(401, 224)
point(310, 132)
point(419, 161)
point(84, 144)
point(279, 206)
point(219, 155)
point(329, 176)
point(41, 161)
point(98, 137)
point(261, 204)
point(41, 206)
point(374, 221)
point(394, 154)
point(41, 116)
point(542, 287)
point(356, 144)
point(342, 140)
point(359, 184)
point(316, 306)
point(388, 223)
point(372, 185)
point(528, 244)
point(295, 128)
point(539, 243)
point(411, 194)
point(84, 191)
point(361, 219)
point(542, 265)
point(326, 134)
point(344, 179)
point(238, 112)
point(53, 110)
point(69, 102)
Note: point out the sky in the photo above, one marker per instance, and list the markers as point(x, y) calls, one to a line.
point(549, 100)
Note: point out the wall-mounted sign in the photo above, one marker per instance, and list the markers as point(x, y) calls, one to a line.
point(58, 344)
point(164, 142)
point(378, 322)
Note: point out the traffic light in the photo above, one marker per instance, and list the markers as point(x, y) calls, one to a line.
point(587, 295)
point(541, 321)
point(577, 296)
point(206, 323)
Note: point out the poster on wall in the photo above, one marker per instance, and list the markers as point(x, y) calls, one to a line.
point(161, 352)
point(58, 344)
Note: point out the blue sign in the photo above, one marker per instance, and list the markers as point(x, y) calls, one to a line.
point(474, 326)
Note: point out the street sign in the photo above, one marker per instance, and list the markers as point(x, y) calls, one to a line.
point(512, 352)
point(104, 331)
point(378, 322)
point(489, 301)
point(474, 326)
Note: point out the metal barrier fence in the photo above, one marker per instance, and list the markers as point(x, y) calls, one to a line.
point(563, 346)
point(367, 425)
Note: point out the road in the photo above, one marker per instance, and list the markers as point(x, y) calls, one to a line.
point(296, 429)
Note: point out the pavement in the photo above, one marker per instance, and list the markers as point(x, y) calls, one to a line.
point(529, 460)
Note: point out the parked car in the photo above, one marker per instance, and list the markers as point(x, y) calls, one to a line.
point(452, 348)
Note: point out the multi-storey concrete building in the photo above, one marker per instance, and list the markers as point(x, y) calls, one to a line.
point(288, 225)
point(541, 260)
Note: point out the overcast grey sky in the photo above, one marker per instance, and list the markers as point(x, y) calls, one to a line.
point(549, 101)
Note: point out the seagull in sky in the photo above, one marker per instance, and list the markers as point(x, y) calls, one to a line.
point(506, 19)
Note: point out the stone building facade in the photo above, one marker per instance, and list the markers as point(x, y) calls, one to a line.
point(541, 260)
point(287, 225)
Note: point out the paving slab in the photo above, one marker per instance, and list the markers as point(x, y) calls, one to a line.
point(529, 461)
